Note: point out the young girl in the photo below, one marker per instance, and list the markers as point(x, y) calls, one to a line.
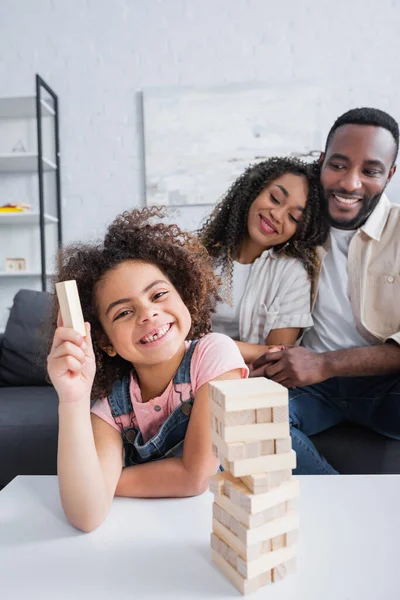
point(147, 293)
point(262, 238)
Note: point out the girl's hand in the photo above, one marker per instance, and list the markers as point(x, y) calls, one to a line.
point(71, 364)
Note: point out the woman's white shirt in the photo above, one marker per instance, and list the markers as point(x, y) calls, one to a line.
point(272, 293)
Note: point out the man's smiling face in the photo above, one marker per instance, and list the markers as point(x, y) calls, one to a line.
point(357, 166)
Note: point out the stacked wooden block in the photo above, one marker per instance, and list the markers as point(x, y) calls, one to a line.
point(255, 520)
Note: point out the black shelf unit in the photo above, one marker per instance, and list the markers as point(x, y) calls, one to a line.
point(42, 85)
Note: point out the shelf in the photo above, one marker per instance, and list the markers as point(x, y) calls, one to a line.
point(23, 162)
point(23, 107)
point(24, 274)
point(25, 218)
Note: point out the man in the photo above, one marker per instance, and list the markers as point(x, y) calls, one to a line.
point(348, 364)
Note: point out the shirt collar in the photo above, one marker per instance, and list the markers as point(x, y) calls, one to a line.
point(375, 223)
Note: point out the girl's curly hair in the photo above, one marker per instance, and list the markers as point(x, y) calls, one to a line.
point(226, 227)
point(133, 236)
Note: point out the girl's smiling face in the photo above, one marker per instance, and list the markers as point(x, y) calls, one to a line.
point(142, 313)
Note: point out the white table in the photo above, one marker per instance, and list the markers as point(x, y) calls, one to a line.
point(160, 549)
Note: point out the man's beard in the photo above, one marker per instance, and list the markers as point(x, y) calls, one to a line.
point(366, 209)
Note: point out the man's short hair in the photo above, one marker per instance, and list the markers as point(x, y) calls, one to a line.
point(367, 116)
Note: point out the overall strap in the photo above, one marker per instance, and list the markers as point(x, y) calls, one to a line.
point(183, 373)
point(120, 398)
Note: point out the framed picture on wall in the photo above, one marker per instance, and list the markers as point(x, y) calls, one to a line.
point(199, 140)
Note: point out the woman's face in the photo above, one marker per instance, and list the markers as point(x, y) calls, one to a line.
point(275, 213)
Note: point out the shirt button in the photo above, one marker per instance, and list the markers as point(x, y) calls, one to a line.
point(390, 278)
point(157, 408)
point(130, 435)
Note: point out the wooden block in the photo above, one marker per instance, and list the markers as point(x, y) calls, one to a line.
point(236, 451)
point(283, 446)
point(280, 414)
point(245, 394)
point(228, 507)
point(292, 537)
point(292, 504)
point(70, 306)
point(267, 447)
point(253, 449)
point(262, 464)
point(287, 568)
point(248, 433)
point(234, 489)
point(248, 567)
point(264, 415)
point(240, 417)
point(264, 482)
point(216, 484)
point(279, 541)
point(214, 423)
point(239, 537)
point(245, 586)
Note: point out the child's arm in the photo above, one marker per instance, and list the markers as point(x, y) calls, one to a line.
point(179, 477)
point(276, 337)
point(86, 485)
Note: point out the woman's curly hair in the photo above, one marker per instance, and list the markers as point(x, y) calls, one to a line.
point(226, 227)
point(134, 236)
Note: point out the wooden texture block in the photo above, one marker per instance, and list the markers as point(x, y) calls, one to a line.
point(292, 537)
point(287, 568)
point(234, 451)
point(279, 541)
point(239, 537)
point(280, 414)
point(264, 482)
point(262, 464)
point(216, 484)
point(70, 306)
point(292, 504)
point(248, 564)
point(234, 490)
point(245, 586)
point(283, 446)
point(245, 433)
point(264, 415)
point(246, 394)
point(248, 520)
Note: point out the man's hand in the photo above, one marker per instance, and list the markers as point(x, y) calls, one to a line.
point(292, 366)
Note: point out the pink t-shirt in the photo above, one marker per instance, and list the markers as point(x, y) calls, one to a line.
point(214, 355)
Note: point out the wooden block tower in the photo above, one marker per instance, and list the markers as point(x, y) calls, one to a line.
point(255, 519)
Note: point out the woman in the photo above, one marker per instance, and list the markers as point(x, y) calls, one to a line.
point(262, 237)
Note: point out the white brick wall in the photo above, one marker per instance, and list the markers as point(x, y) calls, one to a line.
point(97, 54)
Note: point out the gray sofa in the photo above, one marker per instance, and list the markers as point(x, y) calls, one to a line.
point(28, 405)
point(29, 415)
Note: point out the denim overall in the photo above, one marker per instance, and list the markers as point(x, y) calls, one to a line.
point(169, 439)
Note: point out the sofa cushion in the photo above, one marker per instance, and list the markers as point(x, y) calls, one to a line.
point(28, 432)
point(352, 449)
point(24, 350)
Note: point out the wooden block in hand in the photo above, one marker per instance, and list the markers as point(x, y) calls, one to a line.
point(70, 306)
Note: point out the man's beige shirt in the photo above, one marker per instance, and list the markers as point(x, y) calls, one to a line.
point(374, 274)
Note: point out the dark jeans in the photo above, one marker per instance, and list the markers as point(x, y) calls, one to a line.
point(370, 401)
